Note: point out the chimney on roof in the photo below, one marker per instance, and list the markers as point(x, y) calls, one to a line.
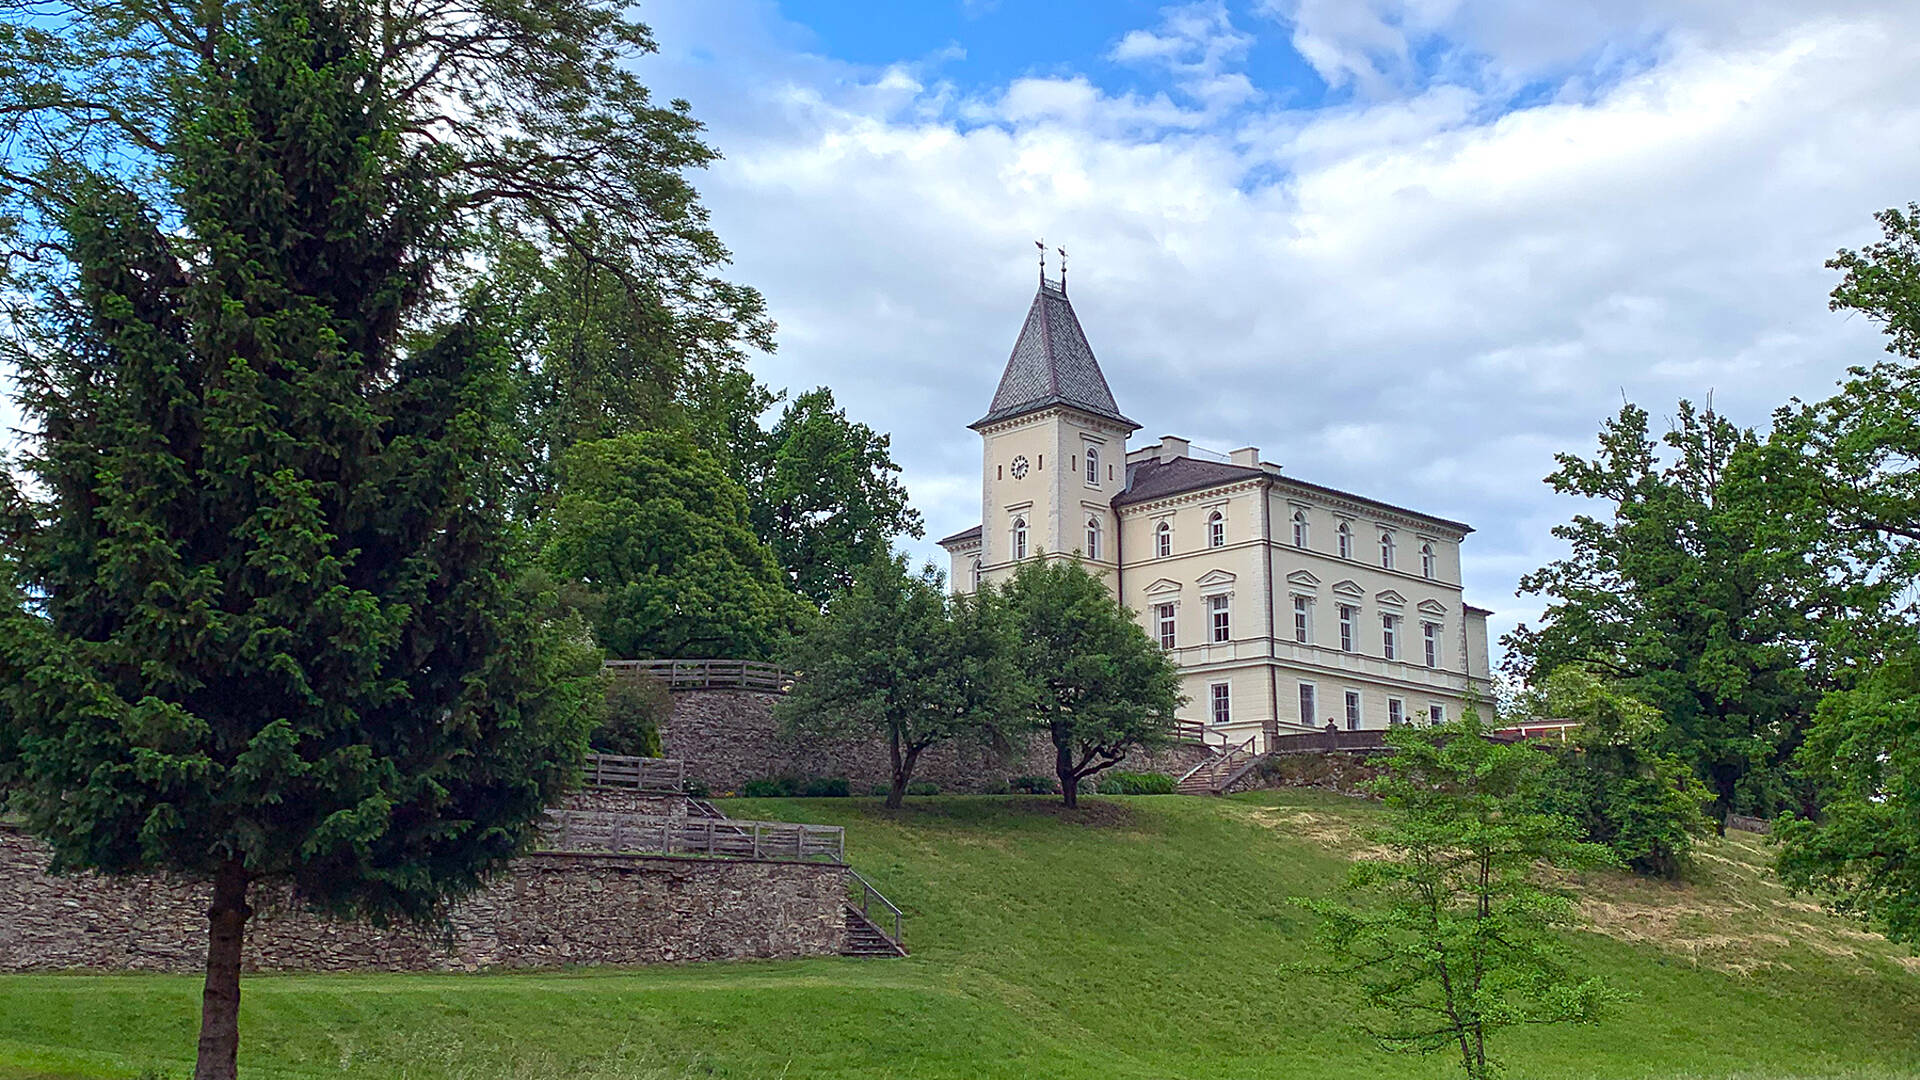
point(1248, 456)
point(1172, 446)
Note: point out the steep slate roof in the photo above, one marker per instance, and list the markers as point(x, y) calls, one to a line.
point(1155, 479)
point(963, 536)
point(1052, 364)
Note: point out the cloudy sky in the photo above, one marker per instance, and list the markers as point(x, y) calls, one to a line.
point(1409, 248)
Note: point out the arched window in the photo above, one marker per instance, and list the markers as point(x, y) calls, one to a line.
point(1386, 550)
point(1299, 528)
point(1216, 529)
point(1093, 538)
point(1163, 540)
point(1019, 538)
point(977, 575)
point(1426, 560)
point(1346, 541)
point(1093, 466)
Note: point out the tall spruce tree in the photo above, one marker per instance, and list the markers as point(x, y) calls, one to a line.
point(269, 628)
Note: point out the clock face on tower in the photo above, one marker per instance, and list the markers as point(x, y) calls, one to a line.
point(1019, 466)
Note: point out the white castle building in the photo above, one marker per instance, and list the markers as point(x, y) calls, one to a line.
point(1286, 604)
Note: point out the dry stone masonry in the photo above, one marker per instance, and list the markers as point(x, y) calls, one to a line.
point(546, 910)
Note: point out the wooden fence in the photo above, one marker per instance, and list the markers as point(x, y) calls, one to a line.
point(586, 830)
point(709, 674)
point(634, 773)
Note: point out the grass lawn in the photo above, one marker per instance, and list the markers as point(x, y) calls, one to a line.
point(1139, 938)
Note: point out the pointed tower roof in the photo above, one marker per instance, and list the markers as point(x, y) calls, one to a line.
point(1052, 364)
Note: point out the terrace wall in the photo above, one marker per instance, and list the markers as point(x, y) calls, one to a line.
point(546, 910)
point(728, 737)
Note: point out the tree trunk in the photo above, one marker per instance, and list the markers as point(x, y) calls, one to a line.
point(902, 769)
point(220, 1002)
point(1063, 768)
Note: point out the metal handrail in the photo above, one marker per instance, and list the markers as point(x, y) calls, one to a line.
point(1213, 763)
point(868, 894)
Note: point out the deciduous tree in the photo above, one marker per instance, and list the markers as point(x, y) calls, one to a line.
point(1684, 594)
point(828, 498)
point(658, 537)
point(1103, 687)
point(1450, 933)
point(896, 656)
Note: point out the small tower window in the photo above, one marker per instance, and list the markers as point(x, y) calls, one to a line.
point(1019, 538)
point(1093, 466)
point(1426, 561)
point(1386, 550)
point(976, 575)
point(1299, 528)
point(1216, 529)
point(1345, 533)
point(1163, 540)
point(1093, 538)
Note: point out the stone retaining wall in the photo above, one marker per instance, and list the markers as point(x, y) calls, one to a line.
point(728, 737)
point(544, 911)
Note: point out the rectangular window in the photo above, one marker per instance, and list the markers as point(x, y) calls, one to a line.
point(1437, 713)
point(1302, 620)
point(1396, 712)
point(1353, 710)
point(1390, 636)
point(1307, 708)
point(1347, 613)
point(1222, 703)
point(1164, 614)
point(1431, 632)
point(1217, 610)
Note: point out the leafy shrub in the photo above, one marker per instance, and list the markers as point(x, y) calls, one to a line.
point(635, 708)
point(826, 788)
point(1137, 783)
point(878, 789)
point(696, 788)
point(921, 787)
point(1035, 785)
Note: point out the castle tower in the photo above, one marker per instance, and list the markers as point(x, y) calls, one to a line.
point(1053, 448)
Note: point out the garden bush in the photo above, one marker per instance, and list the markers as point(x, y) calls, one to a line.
point(1137, 783)
point(1035, 785)
point(635, 708)
point(790, 786)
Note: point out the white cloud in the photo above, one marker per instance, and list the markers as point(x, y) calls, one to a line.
point(1196, 43)
point(1413, 295)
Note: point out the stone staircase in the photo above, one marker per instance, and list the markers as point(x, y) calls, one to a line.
point(1221, 768)
point(866, 938)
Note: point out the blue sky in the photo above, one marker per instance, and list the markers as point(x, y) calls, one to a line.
point(1410, 248)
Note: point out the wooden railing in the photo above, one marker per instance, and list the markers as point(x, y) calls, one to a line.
point(634, 773)
point(586, 830)
point(871, 897)
point(709, 674)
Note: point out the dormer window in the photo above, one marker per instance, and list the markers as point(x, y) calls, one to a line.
point(1216, 529)
point(1345, 534)
point(1020, 538)
point(1093, 466)
point(1163, 540)
point(1426, 561)
point(1299, 528)
point(1386, 550)
point(1093, 538)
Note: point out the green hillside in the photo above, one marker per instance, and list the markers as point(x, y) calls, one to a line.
point(1144, 937)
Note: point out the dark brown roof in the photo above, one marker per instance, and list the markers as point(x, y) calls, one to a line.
point(1156, 479)
point(962, 536)
point(1052, 364)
